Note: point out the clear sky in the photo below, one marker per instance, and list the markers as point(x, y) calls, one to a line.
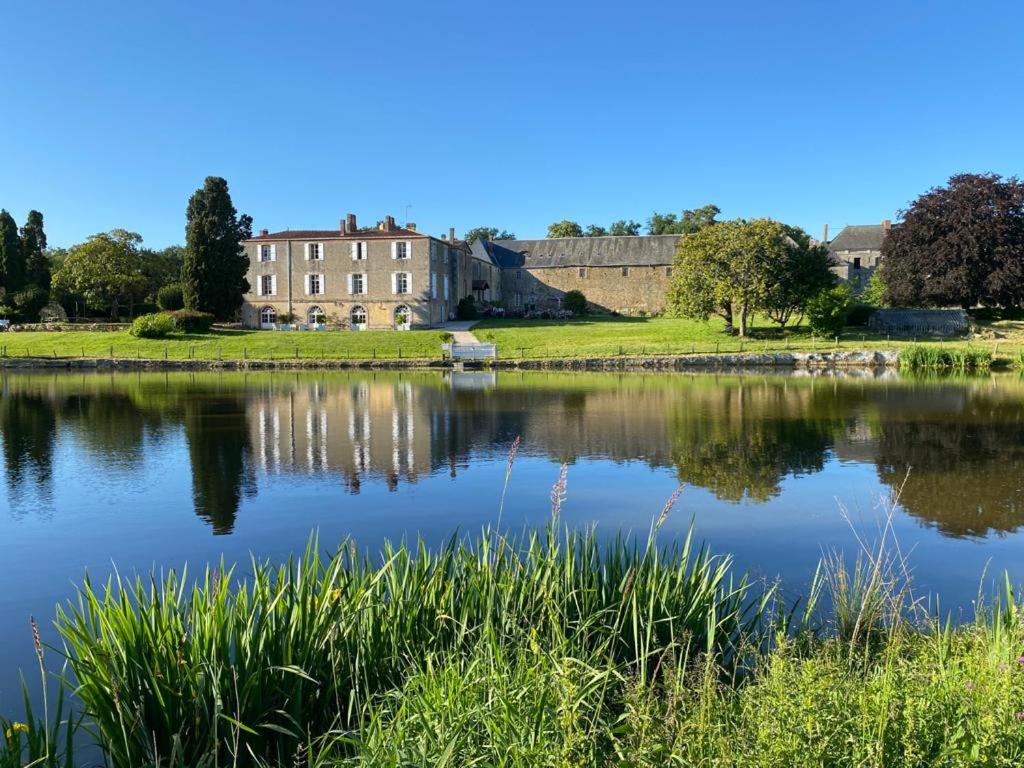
point(503, 114)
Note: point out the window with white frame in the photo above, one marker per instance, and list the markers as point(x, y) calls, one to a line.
point(401, 282)
point(315, 251)
point(268, 316)
point(266, 252)
point(357, 283)
point(315, 284)
point(358, 315)
point(266, 285)
point(316, 316)
point(401, 250)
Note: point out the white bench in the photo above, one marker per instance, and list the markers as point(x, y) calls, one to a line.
point(471, 351)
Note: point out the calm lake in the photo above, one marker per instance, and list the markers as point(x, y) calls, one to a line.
point(152, 470)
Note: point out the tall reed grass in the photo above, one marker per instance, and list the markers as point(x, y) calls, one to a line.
point(956, 359)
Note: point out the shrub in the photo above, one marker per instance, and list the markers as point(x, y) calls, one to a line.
point(29, 302)
point(169, 298)
point(859, 314)
point(154, 326)
point(575, 302)
point(827, 312)
point(466, 309)
point(191, 321)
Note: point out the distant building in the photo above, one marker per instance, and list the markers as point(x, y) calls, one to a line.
point(857, 251)
point(627, 274)
point(381, 277)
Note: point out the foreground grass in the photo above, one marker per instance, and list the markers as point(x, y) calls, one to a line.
point(550, 650)
point(228, 345)
point(617, 336)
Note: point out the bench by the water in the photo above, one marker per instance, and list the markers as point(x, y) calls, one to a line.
point(470, 351)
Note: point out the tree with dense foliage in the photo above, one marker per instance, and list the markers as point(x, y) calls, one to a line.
point(565, 228)
point(487, 233)
point(687, 223)
point(161, 268)
point(827, 312)
point(106, 271)
point(169, 297)
point(215, 263)
point(727, 268)
point(12, 260)
point(961, 244)
point(33, 249)
point(624, 228)
point(595, 230)
point(875, 291)
point(802, 271)
point(574, 301)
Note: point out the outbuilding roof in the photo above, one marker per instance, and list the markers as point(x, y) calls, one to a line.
point(859, 237)
point(610, 251)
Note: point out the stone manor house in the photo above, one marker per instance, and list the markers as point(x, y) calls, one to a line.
point(389, 276)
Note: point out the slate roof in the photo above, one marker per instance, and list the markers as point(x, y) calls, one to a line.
point(335, 234)
point(609, 251)
point(859, 237)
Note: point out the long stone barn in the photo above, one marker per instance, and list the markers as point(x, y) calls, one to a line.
point(625, 274)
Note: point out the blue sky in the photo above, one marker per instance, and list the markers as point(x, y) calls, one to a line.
point(505, 114)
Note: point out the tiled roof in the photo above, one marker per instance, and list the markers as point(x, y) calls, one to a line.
point(859, 237)
point(610, 251)
point(334, 234)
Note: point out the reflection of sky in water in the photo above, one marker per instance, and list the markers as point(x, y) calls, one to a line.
point(141, 471)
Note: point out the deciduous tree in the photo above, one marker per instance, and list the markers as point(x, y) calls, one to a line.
point(961, 244)
point(690, 221)
point(595, 230)
point(801, 273)
point(215, 263)
point(106, 270)
point(622, 228)
point(565, 228)
point(487, 233)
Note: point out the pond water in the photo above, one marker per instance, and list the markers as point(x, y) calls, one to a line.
point(150, 470)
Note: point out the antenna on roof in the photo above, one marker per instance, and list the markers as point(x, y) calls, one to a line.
point(407, 207)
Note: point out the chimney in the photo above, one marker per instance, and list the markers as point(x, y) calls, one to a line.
point(410, 225)
point(886, 225)
point(451, 234)
point(389, 223)
point(264, 232)
point(350, 223)
point(824, 234)
point(341, 226)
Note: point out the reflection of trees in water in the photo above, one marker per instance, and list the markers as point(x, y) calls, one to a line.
point(740, 440)
point(28, 425)
point(220, 453)
point(966, 469)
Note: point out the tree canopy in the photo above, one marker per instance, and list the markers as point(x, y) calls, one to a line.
point(487, 233)
point(565, 228)
point(801, 273)
point(106, 270)
point(622, 227)
point(728, 268)
point(12, 259)
point(33, 249)
point(215, 263)
point(687, 223)
point(961, 244)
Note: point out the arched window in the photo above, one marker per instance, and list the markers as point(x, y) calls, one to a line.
point(403, 317)
point(268, 317)
point(358, 316)
point(316, 316)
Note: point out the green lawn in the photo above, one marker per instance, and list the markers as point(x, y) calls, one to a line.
point(613, 336)
point(228, 345)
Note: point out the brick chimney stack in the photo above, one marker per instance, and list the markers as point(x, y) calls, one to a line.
point(389, 224)
point(264, 232)
point(886, 225)
point(350, 223)
point(410, 225)
point(451, 234)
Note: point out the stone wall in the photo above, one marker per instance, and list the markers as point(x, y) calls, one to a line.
point(628, 290)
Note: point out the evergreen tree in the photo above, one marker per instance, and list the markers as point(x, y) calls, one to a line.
point(33, 250)
point(215, 263)
point(12, 261)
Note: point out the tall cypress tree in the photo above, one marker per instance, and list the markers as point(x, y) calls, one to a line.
point(33, 250)
point(12, 261)
point(215, 263)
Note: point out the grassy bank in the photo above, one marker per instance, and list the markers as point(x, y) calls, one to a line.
point(550, 650)
point(634, 336)
point(228, 345)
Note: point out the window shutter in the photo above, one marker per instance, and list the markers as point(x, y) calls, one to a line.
point(408, 249)
point(273, 285)
point(323, 252)
point(394, 275)
point(408, 282)
point(433, 285)
point(349, 284)
point(323, 284)
point(306, 248)
point(366, 283)
point(259, 285)
point(446, 289)
point(273, 252)
point(355, 255)
point(394, 250)
point(306, 278)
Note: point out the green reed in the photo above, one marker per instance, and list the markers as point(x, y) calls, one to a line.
point(956, 359)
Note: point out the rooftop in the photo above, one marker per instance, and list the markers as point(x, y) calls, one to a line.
point(859, 237)
point(609, 251)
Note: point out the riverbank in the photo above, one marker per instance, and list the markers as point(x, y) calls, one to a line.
point(550, 649)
